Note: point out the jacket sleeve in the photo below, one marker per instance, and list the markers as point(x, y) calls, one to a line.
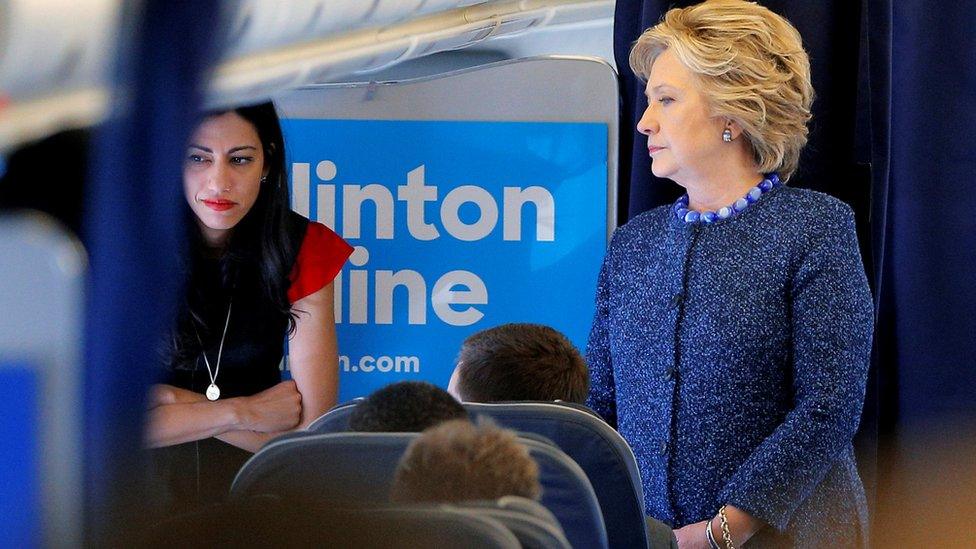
point(832, 325)
point(602, 395)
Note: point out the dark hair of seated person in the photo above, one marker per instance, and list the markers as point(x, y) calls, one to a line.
point(405, 407)
point(521, 361)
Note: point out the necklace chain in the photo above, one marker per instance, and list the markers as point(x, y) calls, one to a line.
point(213, 390)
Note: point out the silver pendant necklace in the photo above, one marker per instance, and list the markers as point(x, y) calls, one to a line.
point(213, 392)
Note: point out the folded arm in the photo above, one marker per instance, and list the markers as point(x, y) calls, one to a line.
point(178, 415)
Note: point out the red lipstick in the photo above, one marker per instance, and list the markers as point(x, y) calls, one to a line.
point(219, 205)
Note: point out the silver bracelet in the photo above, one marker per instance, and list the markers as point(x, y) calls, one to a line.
point(710, 537)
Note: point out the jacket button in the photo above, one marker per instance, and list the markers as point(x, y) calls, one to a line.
point(664, 447)
point(669, 373)
point(676, 300)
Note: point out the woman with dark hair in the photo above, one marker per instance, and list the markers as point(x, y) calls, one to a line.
point(256, 273)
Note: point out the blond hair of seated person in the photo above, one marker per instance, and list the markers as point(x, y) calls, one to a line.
point(460, 461)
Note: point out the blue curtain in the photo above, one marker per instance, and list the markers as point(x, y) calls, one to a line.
point(134, 229)
point(930, 286)
point(927, 332)
point(895, 109)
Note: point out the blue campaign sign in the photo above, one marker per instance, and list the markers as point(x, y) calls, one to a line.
point(458, 226)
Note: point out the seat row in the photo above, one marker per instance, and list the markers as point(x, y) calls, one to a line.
point(588, 473)
point(273, 522)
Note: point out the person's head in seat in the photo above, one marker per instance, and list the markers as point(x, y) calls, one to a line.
point(460, 461)
point(519, 362)
point(406, 406)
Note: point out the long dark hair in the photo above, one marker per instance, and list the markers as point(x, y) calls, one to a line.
point(256, 254)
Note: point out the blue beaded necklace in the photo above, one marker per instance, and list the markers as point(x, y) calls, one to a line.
point(682, 212)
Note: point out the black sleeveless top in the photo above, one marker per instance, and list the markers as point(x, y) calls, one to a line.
point(202, 471)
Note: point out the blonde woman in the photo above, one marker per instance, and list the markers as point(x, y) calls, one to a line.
point(733, 328)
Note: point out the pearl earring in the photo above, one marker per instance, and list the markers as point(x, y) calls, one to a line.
point(727, 135)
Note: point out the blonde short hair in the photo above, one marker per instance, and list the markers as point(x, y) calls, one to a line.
point(750, 64)
point(459, 461)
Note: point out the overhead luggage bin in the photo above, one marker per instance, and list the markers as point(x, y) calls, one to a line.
point(55, 46)
point(261, 25)
point(369, 48)
point(56, 56)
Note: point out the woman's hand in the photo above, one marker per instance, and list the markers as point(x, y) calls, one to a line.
point(742, 526)
point(692, 536)
point(276, 409)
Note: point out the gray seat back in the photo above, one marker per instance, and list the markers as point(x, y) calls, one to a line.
point(335, 420)
point(273, 523)
point(533, 525)
point(338, 469)
point(358, 469)
point(600, 451)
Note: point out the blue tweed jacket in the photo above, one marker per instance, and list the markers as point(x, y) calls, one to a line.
point(733, 358)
